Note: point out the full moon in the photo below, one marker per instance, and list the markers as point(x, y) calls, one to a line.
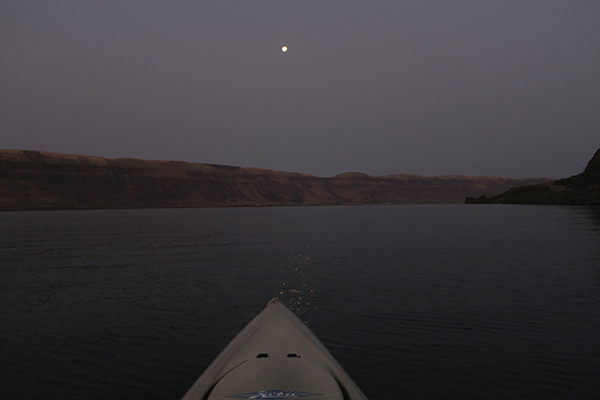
point(284, 49)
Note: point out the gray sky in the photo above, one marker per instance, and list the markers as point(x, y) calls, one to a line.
point(474, 87)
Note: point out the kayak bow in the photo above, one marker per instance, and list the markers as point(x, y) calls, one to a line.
point(275, 357)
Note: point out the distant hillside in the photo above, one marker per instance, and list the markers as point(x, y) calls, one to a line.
point(582, 189)
point(41, 180)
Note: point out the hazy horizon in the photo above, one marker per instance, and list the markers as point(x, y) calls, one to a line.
point(416, 87)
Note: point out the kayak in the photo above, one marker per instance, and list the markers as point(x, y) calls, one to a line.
point(275, 357)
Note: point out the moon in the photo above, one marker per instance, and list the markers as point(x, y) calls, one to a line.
point(284, 49)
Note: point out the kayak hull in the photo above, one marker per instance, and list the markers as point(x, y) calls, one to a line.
point(275, 357)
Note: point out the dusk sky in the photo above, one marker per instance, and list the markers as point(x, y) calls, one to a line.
point(474, 87)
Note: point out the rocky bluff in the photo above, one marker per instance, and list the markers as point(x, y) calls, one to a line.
point(41, 180)
point(582, 189)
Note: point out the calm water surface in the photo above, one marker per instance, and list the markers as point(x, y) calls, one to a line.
point(416, 302)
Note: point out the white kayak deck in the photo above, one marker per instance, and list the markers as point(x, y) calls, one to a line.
point(275, 357)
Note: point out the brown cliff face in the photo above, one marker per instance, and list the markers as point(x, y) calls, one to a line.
point(40, 180)
point(582, 189)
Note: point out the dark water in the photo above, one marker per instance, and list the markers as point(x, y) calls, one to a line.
point(416, 302)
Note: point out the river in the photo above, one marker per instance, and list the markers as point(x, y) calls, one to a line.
point(415, 301)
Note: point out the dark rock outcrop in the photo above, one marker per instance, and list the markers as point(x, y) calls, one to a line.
point(41, 180)
point(582, 189)
point(594, 163)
